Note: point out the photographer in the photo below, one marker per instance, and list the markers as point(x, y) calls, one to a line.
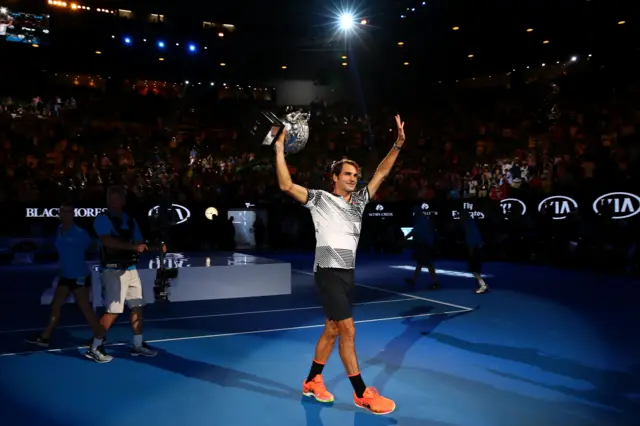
point(121, 245)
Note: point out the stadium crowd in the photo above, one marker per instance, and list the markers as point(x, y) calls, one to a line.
point(474, 145)
point(543, 136)
point(575, 135)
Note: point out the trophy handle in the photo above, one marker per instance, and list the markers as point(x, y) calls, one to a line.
point(275, 122)
point(273, 118)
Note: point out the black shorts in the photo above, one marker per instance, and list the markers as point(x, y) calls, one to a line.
point(74, 283)
point(335, 289)
point(475, 260)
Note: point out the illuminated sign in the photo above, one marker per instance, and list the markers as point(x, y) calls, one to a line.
point(55, 212)
point(182, 213)
point(468, 207)
point(513, 206)
point(171, 261)
point(379, 212)
point(558, 206)
point(617, 205)
point(406, 232)
point(425, 210)
point(210, 213)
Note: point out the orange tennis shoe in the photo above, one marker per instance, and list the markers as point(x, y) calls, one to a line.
point(316, 389)
point(371, 400)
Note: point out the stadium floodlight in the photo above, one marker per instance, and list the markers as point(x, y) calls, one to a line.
point(346, 21)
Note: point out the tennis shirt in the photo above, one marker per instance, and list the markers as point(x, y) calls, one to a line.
point(337, 224)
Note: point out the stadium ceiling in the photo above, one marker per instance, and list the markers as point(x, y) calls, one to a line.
point(440, 38)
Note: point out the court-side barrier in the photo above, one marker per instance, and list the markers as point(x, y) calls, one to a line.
point(613, 204)
point(201, 220)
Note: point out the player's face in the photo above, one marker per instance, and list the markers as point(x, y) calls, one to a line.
point(348, 178)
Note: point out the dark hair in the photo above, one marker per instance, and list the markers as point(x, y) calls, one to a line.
point(67, 205)
point(336, 168)
point(116, 190)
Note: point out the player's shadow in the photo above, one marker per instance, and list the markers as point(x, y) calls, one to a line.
point(219, 375)
point(610, 388)
point(392, 356)
point(228, 377)
point(312, 409)
point(62, 340)
point(362, 418)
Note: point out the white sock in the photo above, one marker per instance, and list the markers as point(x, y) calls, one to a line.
point(137, 340)
point(96, 343)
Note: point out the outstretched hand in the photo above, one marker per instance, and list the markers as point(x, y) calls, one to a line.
point(400, 125)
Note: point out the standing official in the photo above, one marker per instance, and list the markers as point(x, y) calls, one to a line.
point(475, 245)
point(424, 240)
point(74, 278)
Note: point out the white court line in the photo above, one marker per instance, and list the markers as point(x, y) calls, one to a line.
point(241, 333)
point(228, 314)
point(397, 293)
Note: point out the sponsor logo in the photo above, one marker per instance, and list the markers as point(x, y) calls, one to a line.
point(617, 205)
point(513, 206)
point(379, 212)
point(406, 232)
point(171, 261)
point(210, 213)
point(468, 207)
point(425, 210)
point(55, 212)
point(182, 213)
point(558, 206)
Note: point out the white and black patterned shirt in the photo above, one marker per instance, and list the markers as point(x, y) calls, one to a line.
point(337, 223)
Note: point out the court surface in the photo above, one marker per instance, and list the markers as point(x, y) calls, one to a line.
point(544, 347)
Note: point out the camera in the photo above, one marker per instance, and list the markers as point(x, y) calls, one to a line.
point(162, 219)
point(162, 282)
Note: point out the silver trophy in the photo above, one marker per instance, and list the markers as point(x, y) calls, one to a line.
point(295, 125)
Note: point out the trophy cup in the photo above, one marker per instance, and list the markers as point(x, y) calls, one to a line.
point(268, 127)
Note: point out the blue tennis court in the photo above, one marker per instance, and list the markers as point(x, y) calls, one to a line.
point(544, 347)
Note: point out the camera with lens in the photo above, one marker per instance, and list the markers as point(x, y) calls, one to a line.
point(162, 282)
point(162, 218)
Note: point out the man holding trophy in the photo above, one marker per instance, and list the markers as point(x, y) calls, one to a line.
point(337, 218)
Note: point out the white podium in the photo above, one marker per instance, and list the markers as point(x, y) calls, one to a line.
point(204, 277)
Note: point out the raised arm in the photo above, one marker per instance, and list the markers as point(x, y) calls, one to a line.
point(297, 192)
point(384, 168)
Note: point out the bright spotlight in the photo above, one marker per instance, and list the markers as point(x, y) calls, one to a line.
point(192, 48)
point(347, 21)
point(127, 40)
point(161, 44)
